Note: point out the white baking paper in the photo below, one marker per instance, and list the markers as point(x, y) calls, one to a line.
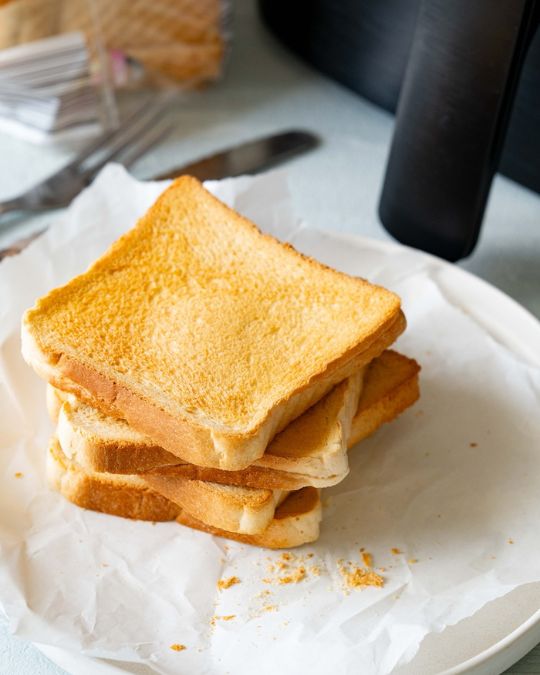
point(453, 484)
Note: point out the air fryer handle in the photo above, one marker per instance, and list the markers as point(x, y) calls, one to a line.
point(452, 116)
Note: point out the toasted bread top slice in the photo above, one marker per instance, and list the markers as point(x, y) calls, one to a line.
point(197, 315)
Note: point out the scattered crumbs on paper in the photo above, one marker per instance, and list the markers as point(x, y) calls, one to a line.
point(395, 551)
point(292, 568)
point(367, 559)
point(227, 583)
point(472, 444)
point(493, 557)
point(439, 515)
point(178, 647)
point(382, 569)
point(19, 474)
point(359, 577)
point(104, 564)
point(270, 608)
point(413, 561)
point(225, 617)
point(298, 575)
point(510, 541)
point(362, 549)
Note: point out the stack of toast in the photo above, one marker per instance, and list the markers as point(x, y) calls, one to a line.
point(205, 372)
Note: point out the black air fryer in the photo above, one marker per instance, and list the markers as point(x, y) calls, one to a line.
point(462, 76)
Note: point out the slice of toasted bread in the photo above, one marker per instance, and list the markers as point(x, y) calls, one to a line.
point(205, 334)
point(126, 496)
point(314, 443)
point(390, 387)
point(296, 522)
point(100, 443)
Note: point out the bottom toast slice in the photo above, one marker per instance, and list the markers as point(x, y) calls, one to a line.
point(296, 520)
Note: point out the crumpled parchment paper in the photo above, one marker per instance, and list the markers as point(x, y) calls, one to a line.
point(453, 485)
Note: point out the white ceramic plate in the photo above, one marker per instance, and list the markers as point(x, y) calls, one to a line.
point(505, 629)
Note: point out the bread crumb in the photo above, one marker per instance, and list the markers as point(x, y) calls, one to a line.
point(287, 556)
point(395, 551)
point(293, 578)
point(178, 648)
point(226, 617)
point(412, 561)
point(227, 583)
point(270, 608)
point(310, 555)
point(510, 541)
point(473, 445)
point(358, 577)
point(315, 570)
point(367, 559)
point(19, 474)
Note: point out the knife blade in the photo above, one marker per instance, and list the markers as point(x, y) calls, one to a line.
point(247, 158)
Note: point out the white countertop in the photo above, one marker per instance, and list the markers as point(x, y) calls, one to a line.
point(334, 187)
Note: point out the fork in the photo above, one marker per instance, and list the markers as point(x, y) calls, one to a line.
point(142, 130)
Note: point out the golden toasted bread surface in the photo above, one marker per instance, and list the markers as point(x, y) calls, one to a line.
point(194, 315)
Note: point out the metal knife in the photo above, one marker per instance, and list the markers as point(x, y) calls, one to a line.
point(247, 158)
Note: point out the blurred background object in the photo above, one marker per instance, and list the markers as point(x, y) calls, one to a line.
point(62, 60)
point(469, 105)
